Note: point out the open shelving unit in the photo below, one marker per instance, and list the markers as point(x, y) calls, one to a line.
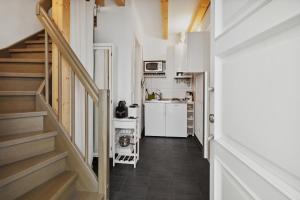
point(190, 118)
point(130, 153)
point(155, 75)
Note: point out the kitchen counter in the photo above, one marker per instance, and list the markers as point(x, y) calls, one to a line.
point(166, 118)
point(166, 101)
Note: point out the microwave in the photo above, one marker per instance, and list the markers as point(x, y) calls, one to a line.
point(155, 66)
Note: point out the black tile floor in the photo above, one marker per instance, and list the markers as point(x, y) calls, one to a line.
point(168, 169)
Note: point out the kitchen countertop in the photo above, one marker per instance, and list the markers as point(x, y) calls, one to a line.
point(166, 101)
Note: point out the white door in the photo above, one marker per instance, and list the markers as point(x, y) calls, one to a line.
point(176, 120)
point(255, 151)
point(155, 119)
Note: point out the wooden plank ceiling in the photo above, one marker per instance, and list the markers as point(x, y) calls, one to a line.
point(164, 14)
point(101, 3)
point(198, 15)
point(120, 2)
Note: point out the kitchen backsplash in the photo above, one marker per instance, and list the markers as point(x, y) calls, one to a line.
point(169, 87)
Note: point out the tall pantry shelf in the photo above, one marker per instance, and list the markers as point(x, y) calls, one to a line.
point(191, 118)
point(128, 154)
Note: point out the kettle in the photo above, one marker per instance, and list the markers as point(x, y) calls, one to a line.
point(121, 110)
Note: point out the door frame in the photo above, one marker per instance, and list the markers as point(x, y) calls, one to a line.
point(110, 48)
point(136, 82)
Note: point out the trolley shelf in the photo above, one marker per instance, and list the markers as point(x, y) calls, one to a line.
point(120, 131)
point(125, 158)
point(130, 153)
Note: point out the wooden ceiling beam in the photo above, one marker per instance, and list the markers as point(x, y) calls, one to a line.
point(165, 21)
point(120, 2)
point(199, 15)
point(100, 3)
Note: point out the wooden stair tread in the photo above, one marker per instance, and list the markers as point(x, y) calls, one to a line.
point(14, 171)
point(22, 115)
point(30, 50)
point(17, 93)
point(22, 75)
point(36, 41)
point(22, 60)
point(52, 189)
point(13, 139)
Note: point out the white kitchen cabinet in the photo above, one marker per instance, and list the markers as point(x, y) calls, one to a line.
point(166, 119)
point(180, 58)
point(193, 55)
point(155, 120)
point(176, 120)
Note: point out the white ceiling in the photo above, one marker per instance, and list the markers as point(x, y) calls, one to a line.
point(180, 15)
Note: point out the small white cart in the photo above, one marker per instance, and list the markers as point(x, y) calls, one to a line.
point(130, 153)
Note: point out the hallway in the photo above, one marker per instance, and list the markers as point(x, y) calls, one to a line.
point(169, 169)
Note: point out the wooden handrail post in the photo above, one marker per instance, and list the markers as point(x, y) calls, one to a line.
point(86, 123)
point(103, 147)
point(73, 107)
point(46, 67)
point(59, 98)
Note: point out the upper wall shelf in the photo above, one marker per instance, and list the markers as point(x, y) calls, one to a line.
point(155, 75)
point(183, 77)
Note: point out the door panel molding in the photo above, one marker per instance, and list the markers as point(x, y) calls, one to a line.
point(223, 48)
point(274, 17)
point(280, 179)
point(224, 171)
point(259, 107)
point(239, 15)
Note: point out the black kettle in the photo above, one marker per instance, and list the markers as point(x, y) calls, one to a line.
point(122, 110)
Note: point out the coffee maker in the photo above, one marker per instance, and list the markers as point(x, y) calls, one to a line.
point(121, 110)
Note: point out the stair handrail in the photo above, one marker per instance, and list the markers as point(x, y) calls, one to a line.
point(100, 97)
point(57, 37)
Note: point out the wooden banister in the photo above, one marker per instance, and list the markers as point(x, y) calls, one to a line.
point(42, 13)
point(100, 97)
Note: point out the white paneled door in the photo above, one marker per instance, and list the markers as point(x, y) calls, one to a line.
point(255, 153)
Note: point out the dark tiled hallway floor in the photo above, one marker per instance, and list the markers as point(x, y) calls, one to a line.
point(169, 169)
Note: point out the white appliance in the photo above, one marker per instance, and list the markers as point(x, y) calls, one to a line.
point(155, 66)
point(133, 111)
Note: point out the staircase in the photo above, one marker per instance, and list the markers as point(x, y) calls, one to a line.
point(36, 159)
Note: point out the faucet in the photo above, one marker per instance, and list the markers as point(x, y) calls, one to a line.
point(159, 94)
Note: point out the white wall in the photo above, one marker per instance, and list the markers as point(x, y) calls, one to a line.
point(18, 20)
point(205, 25)
point(118, 25)
point(198, 81)
point(154, 48)
point(169, 87)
